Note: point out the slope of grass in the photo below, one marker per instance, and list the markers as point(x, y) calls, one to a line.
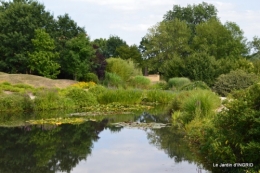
point(35, 81)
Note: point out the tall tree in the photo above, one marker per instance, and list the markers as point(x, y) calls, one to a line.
point(192, 14)
point(79, 56)
point(112, 43)
point(65, 29)
point(218, 40)
point(18, 20)
point(43, 59)
point(165, 40)
point(130, 52)
point(100, 63)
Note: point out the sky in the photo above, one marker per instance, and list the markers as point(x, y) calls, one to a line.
point(130, 19)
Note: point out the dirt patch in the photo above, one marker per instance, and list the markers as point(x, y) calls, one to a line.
point(36, 81)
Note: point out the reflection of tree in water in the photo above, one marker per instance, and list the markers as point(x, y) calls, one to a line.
point(46, 149)
point(148, 118)
point(171, 142)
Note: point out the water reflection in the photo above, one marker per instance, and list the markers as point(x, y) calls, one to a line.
point(129, 151)
point(94, 147)
point(46, 149)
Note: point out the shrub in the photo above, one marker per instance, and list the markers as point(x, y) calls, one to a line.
point(15, 102)
point(158, 96)
point(84, 85)
point(178, 82)
point(112, 80)
point(189, 105)
point(161, 85)
point(234, 80)
point(90, 77)
point(50, 99)
point(195, 85)
point(81, 97)
point(140, 82)
point(236, 134)
point(123, 68)
point(97, 90)
point(200, 103)
point(129, 96)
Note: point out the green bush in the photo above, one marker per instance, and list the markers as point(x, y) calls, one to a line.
point(81, 97)
point(176, 103)
point(50, 99)
point(129, 96)
point(201, 103)
point(234, 136)
point(161, 85)
point(195, 85)
point(178, 82)
point(194, 104)
point(158, 96)
point(97, 90)
point(140, 82)
point(123, 68)
point(15, 102)
point(235, 80)
point(90, 77)
point(113, 80)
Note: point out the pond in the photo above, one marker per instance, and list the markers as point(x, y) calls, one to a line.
point(96, 147)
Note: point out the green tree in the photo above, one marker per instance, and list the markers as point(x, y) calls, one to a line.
point(112, 43)
point(79, 56)
point(65, 29)
point(220, 41)
point(130, 52)
point(201, 67)
point(165, 40)
point(192, 14)
point(43, 59)
point(255, 46)
point(18, 21)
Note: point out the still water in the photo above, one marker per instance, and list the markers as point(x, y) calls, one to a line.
point(94, 147)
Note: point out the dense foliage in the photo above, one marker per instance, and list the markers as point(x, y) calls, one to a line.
point(234, 80)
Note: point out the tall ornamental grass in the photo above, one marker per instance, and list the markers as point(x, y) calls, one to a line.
point(129, 96)
point(50, 100)
point(158, 96)
point(196, 104)
point(178, 82)
point(140, 82)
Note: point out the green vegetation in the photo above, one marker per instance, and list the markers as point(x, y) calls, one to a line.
point(112, 80)
point(123, 68)
point(158, 96)
point(195, 85)
point(230, 136)
point(129, 96)
point(191, 49)
point(50, 99)
point(177, 83)
point(139, 82)
point(235, 80)
point(195, 104)
point(91, 77)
